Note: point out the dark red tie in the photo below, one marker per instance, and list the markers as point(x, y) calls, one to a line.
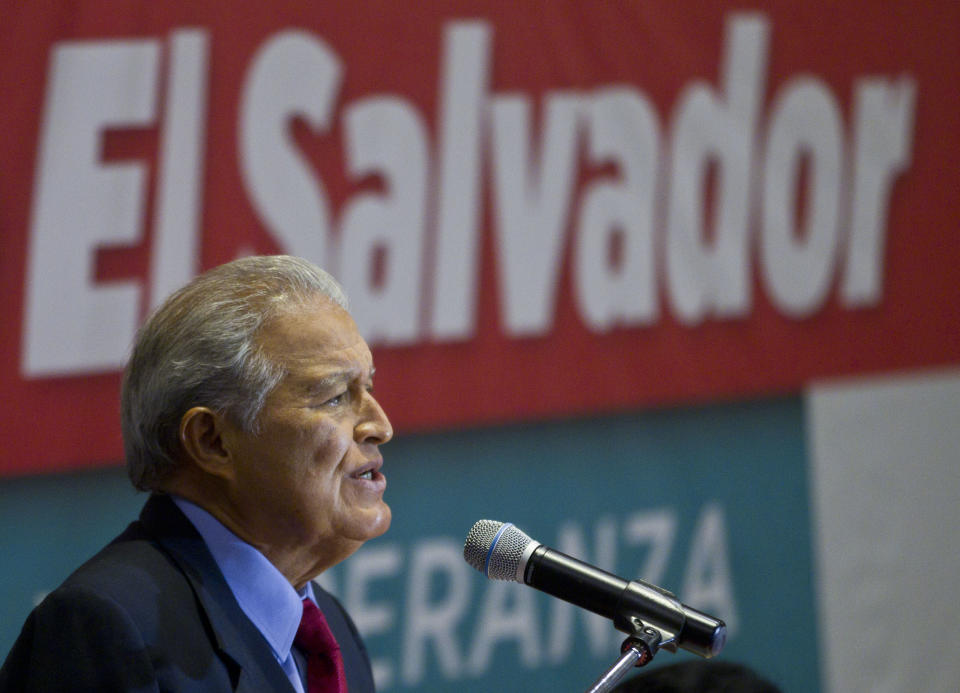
point(324, 663)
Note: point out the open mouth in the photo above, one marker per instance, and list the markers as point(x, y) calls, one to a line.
point(369, 473)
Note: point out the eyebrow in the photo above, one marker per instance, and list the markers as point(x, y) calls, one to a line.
point(329, 382)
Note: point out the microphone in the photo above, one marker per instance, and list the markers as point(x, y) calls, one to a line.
point(502, 552)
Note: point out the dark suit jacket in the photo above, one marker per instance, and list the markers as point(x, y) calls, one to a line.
point(152, 612)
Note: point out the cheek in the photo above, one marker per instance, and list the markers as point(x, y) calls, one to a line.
point(328, 445)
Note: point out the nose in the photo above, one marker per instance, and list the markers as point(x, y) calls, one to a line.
point(373, 426)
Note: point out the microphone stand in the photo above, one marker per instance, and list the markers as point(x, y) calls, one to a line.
point(637, 650)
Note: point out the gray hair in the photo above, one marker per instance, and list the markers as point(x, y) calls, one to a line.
point(199, 349)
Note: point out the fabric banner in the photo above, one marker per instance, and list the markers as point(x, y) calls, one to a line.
point(537, 209)
point(684, 499)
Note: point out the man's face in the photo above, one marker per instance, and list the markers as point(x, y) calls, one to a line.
point(308, 482)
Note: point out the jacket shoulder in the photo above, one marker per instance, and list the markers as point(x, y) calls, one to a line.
point(127, 619)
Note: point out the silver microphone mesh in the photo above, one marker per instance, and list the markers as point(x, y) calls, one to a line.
point(496, 549)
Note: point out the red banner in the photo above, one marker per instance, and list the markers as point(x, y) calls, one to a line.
point(537, 210)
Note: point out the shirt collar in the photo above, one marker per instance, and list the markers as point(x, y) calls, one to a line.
point(263, 593)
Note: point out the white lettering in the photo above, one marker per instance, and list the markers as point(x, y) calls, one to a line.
point(656, 528)
point(708, 582)
point(457, 625)
point(623, 130)
point(506, 614)
point(293, 74)
point(385, 137)
point(883, 135)
point(372, 617)
point(71, 323)
point(711, 277)
point(176, 229)
point(407, 245)
point(466, 64)
point(797, 269)
point(532, 193)
point(434, 620)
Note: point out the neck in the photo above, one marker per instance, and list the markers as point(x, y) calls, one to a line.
point(298, 563)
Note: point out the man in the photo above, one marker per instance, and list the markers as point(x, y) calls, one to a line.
point(248, 413)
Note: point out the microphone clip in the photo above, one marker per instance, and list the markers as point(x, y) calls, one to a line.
point(637, 650)
point(646, 639)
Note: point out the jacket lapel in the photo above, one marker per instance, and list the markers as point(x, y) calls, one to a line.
point(244, 651)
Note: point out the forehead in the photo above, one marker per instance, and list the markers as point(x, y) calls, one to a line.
point(314, 339)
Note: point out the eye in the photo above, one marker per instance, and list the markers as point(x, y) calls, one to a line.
point(336, 400)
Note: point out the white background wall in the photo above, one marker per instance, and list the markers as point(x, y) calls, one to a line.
point(885, 466)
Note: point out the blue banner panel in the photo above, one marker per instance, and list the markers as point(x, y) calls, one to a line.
point(710, 503)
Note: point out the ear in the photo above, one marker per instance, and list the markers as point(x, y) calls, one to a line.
point(201, 435)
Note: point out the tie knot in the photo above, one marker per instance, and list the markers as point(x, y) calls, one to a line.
point(314, 635)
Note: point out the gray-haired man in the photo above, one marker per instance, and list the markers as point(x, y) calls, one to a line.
point(248, 413)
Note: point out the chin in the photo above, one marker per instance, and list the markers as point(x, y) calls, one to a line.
point(383, 522)
point(373, 524)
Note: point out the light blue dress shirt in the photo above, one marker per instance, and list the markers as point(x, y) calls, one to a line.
point(263, 593)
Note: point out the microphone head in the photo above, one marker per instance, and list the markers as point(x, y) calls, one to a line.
point(497, 549)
